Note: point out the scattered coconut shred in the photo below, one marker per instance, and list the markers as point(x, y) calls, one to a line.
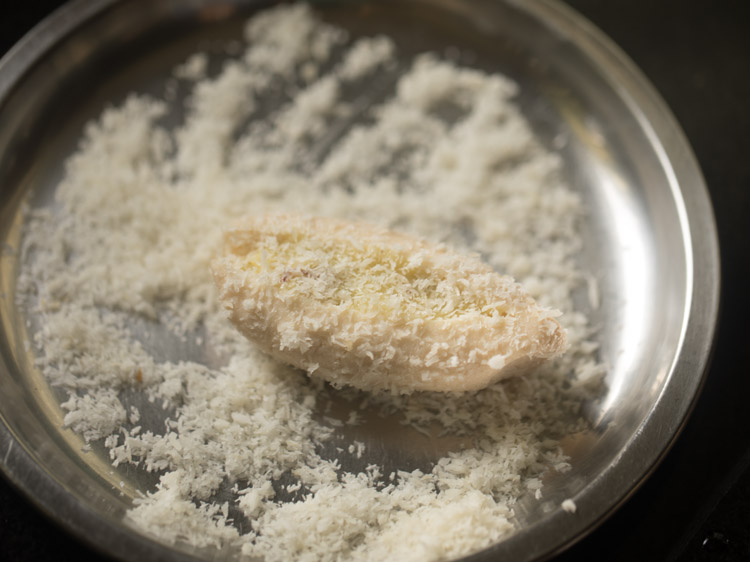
point(251, 454)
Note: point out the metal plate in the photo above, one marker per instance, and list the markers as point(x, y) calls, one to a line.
point(656, 253)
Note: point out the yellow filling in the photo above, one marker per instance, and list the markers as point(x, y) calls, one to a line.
point(370, 279)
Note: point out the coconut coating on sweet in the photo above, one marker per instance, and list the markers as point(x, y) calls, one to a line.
point(376, 309)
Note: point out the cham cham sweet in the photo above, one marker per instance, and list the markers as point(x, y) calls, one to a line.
point(360, 305)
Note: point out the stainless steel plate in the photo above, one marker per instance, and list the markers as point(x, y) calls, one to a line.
point(652, 239)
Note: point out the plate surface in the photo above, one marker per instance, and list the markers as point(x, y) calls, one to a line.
point(655, 251)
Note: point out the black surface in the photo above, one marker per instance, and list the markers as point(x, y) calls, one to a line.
point(696, 506)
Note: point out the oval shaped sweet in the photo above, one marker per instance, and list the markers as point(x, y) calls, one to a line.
point(376, 309)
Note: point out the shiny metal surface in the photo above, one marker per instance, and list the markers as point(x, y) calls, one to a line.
point(650, 234)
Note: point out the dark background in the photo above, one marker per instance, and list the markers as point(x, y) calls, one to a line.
point(696, 506)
